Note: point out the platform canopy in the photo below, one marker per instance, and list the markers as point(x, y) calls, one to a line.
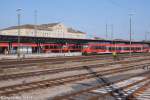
point(27, 39)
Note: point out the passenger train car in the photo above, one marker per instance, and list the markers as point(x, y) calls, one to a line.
point(109, 48)
point(51, 47)
point(47, 48)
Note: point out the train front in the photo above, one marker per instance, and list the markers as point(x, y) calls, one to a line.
point(86, 50)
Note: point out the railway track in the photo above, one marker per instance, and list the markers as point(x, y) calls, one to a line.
point(54, 61)
point(117, 90)
point(142, 93)
point(62, 61)
point(14, 89)
point(58, 70)
point(122, 90)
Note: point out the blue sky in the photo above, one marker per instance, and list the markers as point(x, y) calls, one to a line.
point(89, 16)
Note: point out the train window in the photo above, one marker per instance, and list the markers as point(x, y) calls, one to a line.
point(137, 48)
point(109, 48)
point(128, 48)
point(51, 47)
point(132, 48)
point(92, 47)
point(97, 47)
point(100, 47)
point(103, 47)
point(55, 47)
point(74, 47)
point(125, 48)
point(119, 48)
point(80, 46)
point(46, 47)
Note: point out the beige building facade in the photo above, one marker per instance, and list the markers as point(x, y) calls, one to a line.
point(56, 30)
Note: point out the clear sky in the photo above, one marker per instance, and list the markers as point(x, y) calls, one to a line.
point(89, 16)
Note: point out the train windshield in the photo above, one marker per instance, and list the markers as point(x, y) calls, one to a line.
point(64, 46)
point(85, 46)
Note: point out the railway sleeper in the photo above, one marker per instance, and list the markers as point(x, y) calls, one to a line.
point(64, 97)
point(36, 73)
point(41, 85)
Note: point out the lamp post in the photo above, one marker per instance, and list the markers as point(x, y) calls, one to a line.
point(35, 30)
point(112, 32)
point(106, 31)
point(130, 22)
point(35, 23)
point(146, 34)
point(18, 16)
point(112, 35)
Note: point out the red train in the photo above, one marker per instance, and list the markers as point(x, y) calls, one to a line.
point(61, 48)
point(109, 48)
point(6, 48)
point(90, 48)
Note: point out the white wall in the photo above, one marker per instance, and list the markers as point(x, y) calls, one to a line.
point(59, 31)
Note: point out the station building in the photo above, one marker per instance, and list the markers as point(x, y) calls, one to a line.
point(56, 30)
point(53, 37)
point(35, 36)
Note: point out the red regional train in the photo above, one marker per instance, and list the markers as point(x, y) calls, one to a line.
point(90, 48)
point(94, 48)
point(47, 48)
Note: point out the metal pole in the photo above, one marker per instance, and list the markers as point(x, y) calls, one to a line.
point(18, 49)
point(35, 23)
point(112, 32)
point(112, 35)
point(145, 36)
point(35, 29)
point(106, 31)
point(130, 33)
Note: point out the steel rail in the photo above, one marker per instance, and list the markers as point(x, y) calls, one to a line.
point(73, 95)
point(55, 61)
point(58, 70)
point(59, 81)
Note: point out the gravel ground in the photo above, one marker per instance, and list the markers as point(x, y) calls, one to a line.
point(61, 74)
point(42, 94)
point(48, 66)
point(49, 93)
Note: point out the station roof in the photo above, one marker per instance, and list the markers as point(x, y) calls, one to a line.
point(46, 27)
point(27, 39)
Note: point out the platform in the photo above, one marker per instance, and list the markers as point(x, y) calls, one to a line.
point(40, 55)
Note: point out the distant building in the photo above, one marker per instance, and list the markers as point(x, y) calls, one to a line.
point(44, 30)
